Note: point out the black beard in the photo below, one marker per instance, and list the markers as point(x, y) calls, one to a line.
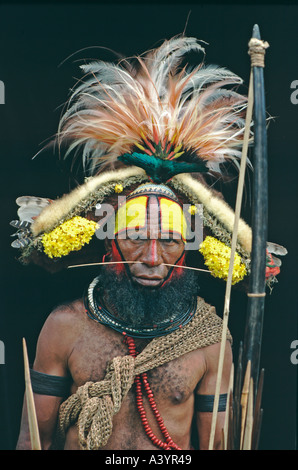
point(142, 306)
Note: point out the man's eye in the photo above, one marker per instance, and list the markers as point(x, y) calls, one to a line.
point(168, 240)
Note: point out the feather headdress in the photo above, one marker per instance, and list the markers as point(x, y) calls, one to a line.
point(154, 112)
point(152, 117)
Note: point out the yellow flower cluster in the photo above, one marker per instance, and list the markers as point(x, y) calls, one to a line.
point(217, 258)
point(192, 210)
point(118, 188)
point(69, 236)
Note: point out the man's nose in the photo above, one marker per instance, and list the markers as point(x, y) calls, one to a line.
point(151, 255)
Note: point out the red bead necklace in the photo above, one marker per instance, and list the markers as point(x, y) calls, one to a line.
point(139, 379)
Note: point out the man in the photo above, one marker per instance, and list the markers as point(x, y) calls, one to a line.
point(133, 364)
point(144, 293)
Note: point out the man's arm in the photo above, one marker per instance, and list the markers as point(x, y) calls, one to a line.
point(207, 386)
point(52, 352)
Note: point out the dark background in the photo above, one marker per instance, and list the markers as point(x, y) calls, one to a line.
point(35, 40)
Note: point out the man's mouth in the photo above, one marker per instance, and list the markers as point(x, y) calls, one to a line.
point(148, 281)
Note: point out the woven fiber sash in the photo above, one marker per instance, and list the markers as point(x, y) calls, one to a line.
point(94, 404)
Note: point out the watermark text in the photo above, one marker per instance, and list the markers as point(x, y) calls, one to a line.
point(294, 94)
point(136, 222)
point(294, 355)
point(2, 353)
point(2, 92)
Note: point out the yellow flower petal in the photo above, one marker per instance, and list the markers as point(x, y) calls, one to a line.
point(217, 259)
point(72, 235)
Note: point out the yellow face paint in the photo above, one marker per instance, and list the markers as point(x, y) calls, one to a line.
point(172, 218)
point(134, 215)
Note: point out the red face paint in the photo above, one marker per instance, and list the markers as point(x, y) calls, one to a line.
point(116, 256)
point(153, 251)
point(175, 271)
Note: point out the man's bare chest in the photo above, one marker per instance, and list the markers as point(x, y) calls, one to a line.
point(96, 346)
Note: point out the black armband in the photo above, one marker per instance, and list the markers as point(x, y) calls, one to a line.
point(204, 403)
point(52, 385)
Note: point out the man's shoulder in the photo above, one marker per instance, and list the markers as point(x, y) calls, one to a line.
point(73, 307)
point(67, 314)
point(57, 337)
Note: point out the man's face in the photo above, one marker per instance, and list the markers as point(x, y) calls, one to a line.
point(151, 251)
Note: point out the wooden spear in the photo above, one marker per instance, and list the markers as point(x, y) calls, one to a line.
point(247, 440)
point(237, 399)
point(227, 425)
point(244, 401)
point(258, 412)
point(32, 419)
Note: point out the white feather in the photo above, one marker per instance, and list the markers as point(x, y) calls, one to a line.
point(115, 103)
point(30, 207)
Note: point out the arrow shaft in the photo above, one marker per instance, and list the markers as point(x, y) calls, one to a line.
point(32, 419)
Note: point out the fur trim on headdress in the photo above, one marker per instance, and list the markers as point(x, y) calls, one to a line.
point(73, 203)
point(218, 208)
point(98, 188)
